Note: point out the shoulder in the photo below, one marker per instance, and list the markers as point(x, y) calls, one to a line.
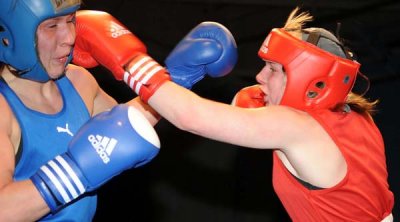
point(9, 128)
point(10, 135)
point(288, 116)
point(7, 115)
point(84, 83)
point(278, 126)
point(94, 97)
point(297, 128)
point(78, 74)
point(82, 79)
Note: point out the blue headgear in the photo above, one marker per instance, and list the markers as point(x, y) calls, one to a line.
point(19, 20)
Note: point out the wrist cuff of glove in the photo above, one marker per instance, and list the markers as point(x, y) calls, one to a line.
point(146, 91)
point(145, 76)
point(46, 194)
point(58, 182)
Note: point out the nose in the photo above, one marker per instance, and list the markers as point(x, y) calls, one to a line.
point(260, 78)
point(69, 35)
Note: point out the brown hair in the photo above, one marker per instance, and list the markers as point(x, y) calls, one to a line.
point(360, 104)
point(2, 65)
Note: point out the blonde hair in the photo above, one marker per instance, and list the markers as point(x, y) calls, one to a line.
point(295, 21)
point(361, 104)
point(294, 25)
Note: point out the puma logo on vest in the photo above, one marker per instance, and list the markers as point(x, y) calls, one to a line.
point(64, 130)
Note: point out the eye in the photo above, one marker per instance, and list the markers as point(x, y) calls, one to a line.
point(49, 24)
point(271, 67)
point(52, 26)
point(72, 19)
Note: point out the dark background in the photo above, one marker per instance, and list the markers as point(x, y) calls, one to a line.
point(196, 179)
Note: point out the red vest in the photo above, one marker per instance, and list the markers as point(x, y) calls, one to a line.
point(362, 196)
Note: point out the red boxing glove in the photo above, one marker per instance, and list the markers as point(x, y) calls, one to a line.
point(102, 39)
point(249, 97)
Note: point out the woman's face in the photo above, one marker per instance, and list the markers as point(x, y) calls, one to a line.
point(55, 39)
point(272, 79)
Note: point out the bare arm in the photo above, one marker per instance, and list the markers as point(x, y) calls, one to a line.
point(152, 116)
point(19, 201)
point(266, 128)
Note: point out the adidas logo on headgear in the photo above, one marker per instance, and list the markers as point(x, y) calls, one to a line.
point(103, 146)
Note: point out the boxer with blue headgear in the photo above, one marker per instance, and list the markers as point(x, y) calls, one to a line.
point(62, 136)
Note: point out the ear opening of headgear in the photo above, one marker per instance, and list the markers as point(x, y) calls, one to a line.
point(330, 43)
point(316, 78)
point(19, 20)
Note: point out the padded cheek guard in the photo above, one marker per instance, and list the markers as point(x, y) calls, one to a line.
point(316, 79)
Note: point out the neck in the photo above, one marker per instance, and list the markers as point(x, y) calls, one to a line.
point(43, 97)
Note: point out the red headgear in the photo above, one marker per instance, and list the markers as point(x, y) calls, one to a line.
point(316, 79)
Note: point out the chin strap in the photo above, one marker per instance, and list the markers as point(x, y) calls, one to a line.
point(367, 83)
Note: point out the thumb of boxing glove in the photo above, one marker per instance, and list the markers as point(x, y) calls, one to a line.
point(83, 58)
point(209, 48)
point(249, 97)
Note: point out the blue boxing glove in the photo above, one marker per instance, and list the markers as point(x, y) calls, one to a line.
point(209, 48)
point(105, 146)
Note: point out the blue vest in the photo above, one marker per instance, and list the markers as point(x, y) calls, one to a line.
point(44, 136)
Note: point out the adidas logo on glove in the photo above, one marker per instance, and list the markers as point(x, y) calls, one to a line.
point(103, 146)
point(117, 30)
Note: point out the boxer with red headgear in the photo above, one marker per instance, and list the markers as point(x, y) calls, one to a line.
point(328, 153)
